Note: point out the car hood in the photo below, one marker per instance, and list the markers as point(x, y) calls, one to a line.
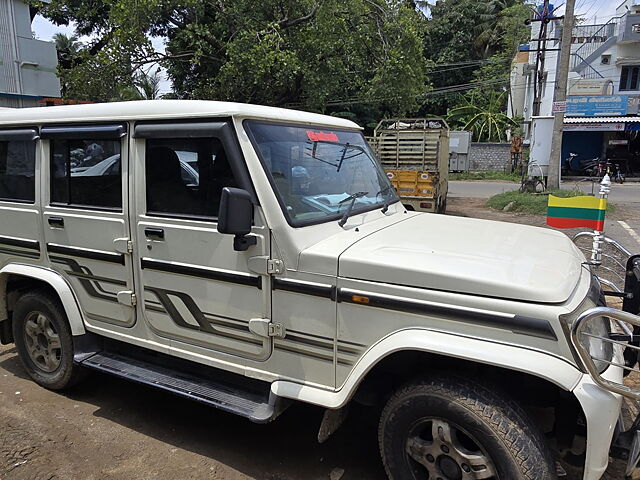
point(471, 256)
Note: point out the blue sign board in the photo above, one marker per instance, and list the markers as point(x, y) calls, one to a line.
point(597, 106)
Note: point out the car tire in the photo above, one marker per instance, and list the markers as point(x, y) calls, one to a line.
point(454, 428)
point(44, 342)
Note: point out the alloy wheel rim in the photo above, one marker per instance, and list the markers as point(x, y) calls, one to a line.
point(448, 452)
point(42, 342)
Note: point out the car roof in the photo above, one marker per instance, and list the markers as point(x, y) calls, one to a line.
point(162, 110)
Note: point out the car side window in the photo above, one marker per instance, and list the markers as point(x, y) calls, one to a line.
point(17, 171)
point(185, 176)
point(86, 173)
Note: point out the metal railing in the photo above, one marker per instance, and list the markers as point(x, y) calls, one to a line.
point(580, 329)
point(591, 38)
point(590, 72)
point(599, 35)
point(611, 265)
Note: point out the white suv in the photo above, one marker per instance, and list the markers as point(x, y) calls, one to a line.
point(284, 268)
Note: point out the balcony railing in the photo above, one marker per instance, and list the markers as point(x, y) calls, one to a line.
point(591, 38)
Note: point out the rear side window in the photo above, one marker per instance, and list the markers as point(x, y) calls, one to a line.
point(86, 173)
point(17, 170)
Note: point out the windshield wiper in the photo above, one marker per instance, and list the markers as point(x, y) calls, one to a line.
point(352, 199)
point(386, 201)
point(343, 156)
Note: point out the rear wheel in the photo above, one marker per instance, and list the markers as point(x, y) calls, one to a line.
point(44, 342)
point(454, 429)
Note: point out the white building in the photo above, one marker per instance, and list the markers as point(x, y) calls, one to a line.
point(27, 66)
point(603, 91)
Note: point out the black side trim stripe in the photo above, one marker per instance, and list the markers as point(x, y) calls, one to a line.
point(86, 253)
point(207, 273)
point(88, 282)
point(535, 327)
point(20, 242)
point(312, 335)
point(96, 278)
point(293, 349)
point(204, 324)
point(312, 343)
point(19, 253)
point(305, 288)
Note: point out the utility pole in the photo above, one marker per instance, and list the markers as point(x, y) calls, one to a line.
point(562, 77)
point(538, 85)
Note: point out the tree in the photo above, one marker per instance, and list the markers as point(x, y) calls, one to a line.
point(484, 116)
point(67, 44)
point(317, 55)
point(471, 43)
point(148, 85)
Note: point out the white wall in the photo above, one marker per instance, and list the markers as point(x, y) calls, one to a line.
point(628, 53)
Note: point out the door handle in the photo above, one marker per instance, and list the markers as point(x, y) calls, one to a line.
point(57, 222)
point(154, 233)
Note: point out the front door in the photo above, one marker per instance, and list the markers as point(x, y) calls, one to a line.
point(86, 224)
point(197, 291)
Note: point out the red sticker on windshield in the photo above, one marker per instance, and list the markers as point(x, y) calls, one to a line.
point(322, 136)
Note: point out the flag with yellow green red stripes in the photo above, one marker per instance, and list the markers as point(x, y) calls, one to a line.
point(574, 212)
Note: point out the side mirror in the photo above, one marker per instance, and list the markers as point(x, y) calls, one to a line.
point(236, 217)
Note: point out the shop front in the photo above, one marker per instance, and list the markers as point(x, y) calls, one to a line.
point(600, 130)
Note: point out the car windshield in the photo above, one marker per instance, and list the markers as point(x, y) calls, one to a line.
point(319, 172)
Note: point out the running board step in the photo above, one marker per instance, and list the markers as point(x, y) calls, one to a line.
point(257, 406)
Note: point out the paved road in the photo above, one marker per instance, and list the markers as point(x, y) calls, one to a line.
point(623, 226)
point(628, 193)
point(479, 189)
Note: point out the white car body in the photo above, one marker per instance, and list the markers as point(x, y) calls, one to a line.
point(486, 292)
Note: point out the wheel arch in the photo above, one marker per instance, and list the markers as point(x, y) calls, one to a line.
point(445, 347)
point(36, 276)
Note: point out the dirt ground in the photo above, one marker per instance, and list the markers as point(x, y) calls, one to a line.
point(113, 429)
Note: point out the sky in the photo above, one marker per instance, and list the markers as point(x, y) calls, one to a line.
point(45, 30)
point(593, 11)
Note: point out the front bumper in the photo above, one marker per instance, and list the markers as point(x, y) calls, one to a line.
point(602, 411)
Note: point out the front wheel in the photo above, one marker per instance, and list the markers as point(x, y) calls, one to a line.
point(455, 429)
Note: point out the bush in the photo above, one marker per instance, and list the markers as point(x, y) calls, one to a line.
point(535, 203)
point(489, 175)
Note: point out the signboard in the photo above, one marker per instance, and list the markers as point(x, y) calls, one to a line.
point(597, 106)
point(594, 127)
point(587, 87)
point(559, 107)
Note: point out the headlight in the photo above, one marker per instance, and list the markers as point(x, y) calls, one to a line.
point(591, 339)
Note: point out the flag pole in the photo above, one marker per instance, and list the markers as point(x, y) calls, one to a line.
point(598, 236)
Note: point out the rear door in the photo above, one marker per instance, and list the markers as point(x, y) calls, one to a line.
point(19, 198)
point(197, 291)
point(86, 225)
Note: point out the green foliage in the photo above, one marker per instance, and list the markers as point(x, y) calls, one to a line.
point(485, 175)
point(148, 84)
point(316, 55)
point(484, 116)
point(67, 44)
point(363, 59)
point(472, 43)
point(534, 203)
